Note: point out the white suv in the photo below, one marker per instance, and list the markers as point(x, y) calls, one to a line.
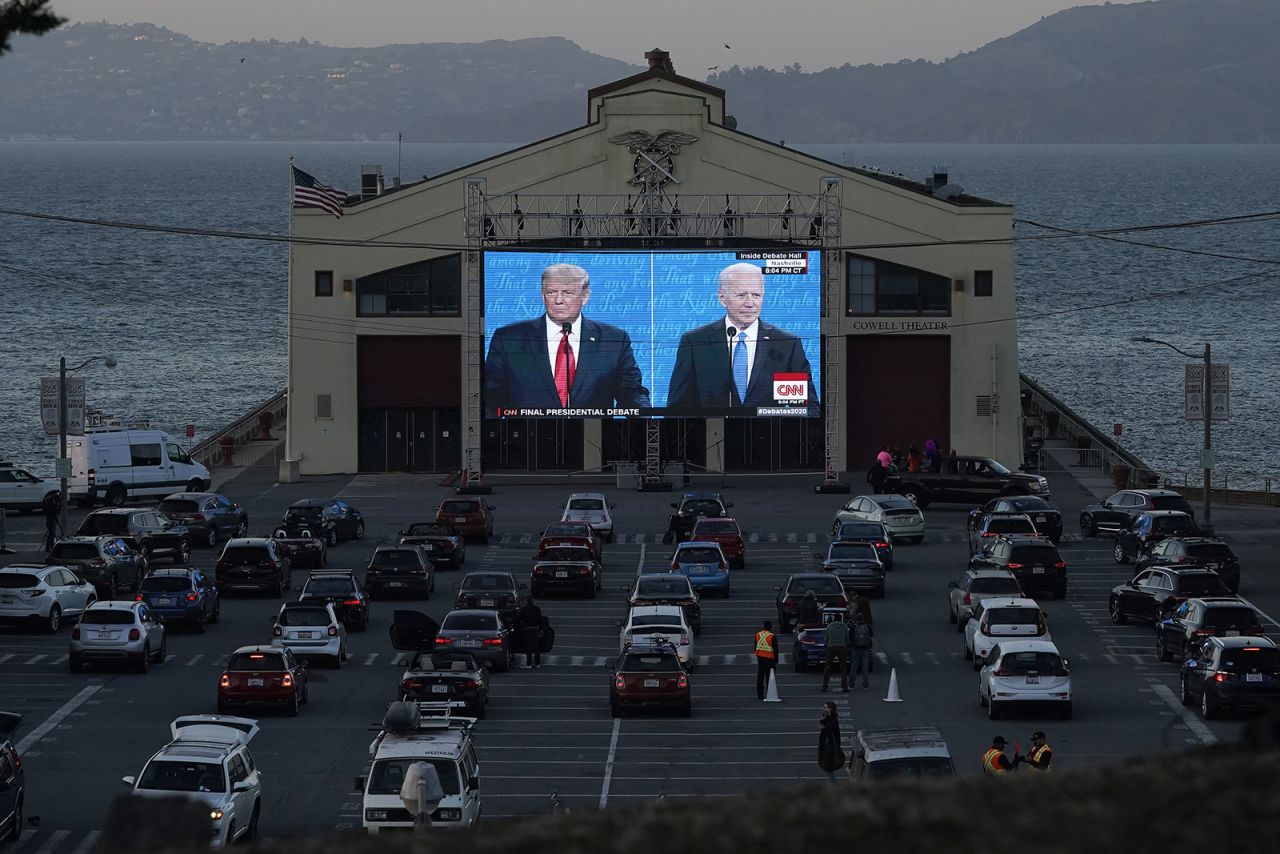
point(1025, 674)
point(652, 624)
point(42, 594)
point(21, 490)
point(999, 619)
point(209, 761)
point(592, 508)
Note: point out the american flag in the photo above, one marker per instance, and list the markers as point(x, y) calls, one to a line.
point(310, 193)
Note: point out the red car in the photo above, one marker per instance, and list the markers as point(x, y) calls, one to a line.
point(649, 677)
point(572, 534)
point(725, 531)
point(262, 676)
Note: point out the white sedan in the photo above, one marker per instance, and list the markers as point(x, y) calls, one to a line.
point(999, 619)
point(900, 517)
point(647, 624)
point(1025, 674)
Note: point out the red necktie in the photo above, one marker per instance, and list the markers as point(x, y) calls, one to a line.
point(565, 368)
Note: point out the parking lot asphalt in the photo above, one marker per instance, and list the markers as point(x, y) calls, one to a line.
point(549, 735)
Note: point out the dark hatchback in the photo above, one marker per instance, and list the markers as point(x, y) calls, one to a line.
point(344, 592)
point(1147, 529)
point(649, 678)
point(147, 531)
point(667, 589)
point(1115, 512)
point(253, 563)
point(866, 532)
point(1230, 673)
point(105, 562)
point(1208, 552)
point(1034, 561)
point(1046, 517)
point(1154, 593)
point(856, 565)
point(400, 571)
point(207, 515)
point(1182, 632)
point(329, 519)
point(182, 595)
point(691, 507)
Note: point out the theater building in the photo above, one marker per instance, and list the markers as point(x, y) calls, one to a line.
point(386, 354)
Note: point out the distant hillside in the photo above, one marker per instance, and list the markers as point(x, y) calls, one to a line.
point(139, 81)
point(1167, 71)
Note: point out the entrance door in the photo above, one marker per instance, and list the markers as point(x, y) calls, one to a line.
point(398, 439)
point(901, 407)
point(373, 440)
point(448, 440)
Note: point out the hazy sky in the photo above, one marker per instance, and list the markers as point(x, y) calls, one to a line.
point(815, 33)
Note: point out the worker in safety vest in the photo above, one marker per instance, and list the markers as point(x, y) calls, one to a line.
point(766, 657)
point(994, 760)
point(1041, 753)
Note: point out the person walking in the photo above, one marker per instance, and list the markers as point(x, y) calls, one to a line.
point(831, 756)
point(837, 654)
point(766, 657)
point(879, 470)
point(808, 612)
point(52, 507)
point(529, 619)
point(860, 644)
point(994, 761)
point(1041, 753)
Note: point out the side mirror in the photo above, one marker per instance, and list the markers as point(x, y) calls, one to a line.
point(473, 782)
point(457, 585)
point(400, 533)
point(491, 507)
point(728, 505)
point(523, 586)
point(612, 505)
point(952, 585)
point(817, 556)
point(128, 781)
point(778, 587)
point(618, 623)
point(673, 506)
point(359, 784)
point(241, 786)
point(611, 663)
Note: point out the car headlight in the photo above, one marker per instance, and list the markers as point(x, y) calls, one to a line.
point(375, 815)
point(216, 814)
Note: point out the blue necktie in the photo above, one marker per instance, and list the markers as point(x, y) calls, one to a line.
point(740, 365)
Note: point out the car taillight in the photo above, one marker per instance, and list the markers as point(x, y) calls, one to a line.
point(98, 562)
point(1222, 677)
point(192, 597)
point(1015, 566)
point(35, 593)
point(1062, 564)
point(988, 533)
point(333, 631)
point(225, 681)
point(137, 597)
point(789, 602)
point(842, 601)
point(417, 570)
point(722, 568)
point(967, 600)
point(881, 544)
point(134, 634)
point(75, 633)
point(684, 638)
point(444, 641)
point(469, 684)
point(196, 517)
point(271, 563)
point(682, 681)
point(351, 603)
point(92, 477)
point(618, 683)
point(675, 566)
point(1062, 671)
point(278, 632)
point(287, 681)
point(493, 641)
point(538, 570)
point(1001, 672)
point(407, 685)
point(1206, 632)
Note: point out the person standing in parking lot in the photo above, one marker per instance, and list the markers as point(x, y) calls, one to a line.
point(52, 507)
point(860, 644)
point(831, 756)
point(859, 604)
point(766, 657)
point(994, 761)
point(837, 654)
point(808, 612)
point(530, 620)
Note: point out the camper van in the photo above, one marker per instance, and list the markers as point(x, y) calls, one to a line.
point(113, 466)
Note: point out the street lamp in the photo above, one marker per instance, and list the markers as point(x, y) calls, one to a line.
point(1207, 524)
point(63, 370)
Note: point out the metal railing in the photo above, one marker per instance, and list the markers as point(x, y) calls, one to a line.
point(1091, 448)
point(247, 447)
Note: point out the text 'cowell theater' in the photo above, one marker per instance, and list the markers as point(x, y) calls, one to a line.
point(657, 288)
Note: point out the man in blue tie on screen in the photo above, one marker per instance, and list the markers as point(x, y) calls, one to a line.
point(732, 361)
point(561, 359)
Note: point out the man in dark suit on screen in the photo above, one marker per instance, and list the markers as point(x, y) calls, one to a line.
point(732, 361)
point(561, 359)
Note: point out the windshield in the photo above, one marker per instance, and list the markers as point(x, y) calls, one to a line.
point(994, 466)
point(1011, 525)
point(387, 775)
point(461, 506)
point(304, 617)
point(303, 512)
point(894, 502)
point(663, 587)
point(429, 530)
point(1013, 617)
point(1170, 524)
point(861, 529)
point(1202, 584)
point(395, 557)
point(106, 617)
point(1035, 554)
point(17, 580)
point(1030, 502)
point(853, 551)
point(268, 661)
point(171, 776)
point(699, 555)
point(824, 585)
point(1171, 502)
point(1210, 551)
point(586, 504)
point(328, 587)
point(649, 661)
point(166, 583)
point(702, 507)
point(1005, 586)
point(924, 766)
point(565, 529)
point(1030, 662)
point(488, 581)
point(74, 551)
point(1225, 618)
point(105, 523)
point(1263, 659)
point(725, 527)
point(567, 554)
point(245, 554)
point(178, 505)
point(469, 623)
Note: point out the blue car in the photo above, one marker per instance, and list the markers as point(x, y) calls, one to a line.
point(809, 647)
point(705, 565)
point(181, 595)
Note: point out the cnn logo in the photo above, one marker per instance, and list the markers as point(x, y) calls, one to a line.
point(791, 388)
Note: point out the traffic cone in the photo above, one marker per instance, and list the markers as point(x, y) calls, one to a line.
point(771, 696)
point(892, 696)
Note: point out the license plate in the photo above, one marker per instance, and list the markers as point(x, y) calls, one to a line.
point(1033, 680)
point(393, 583)
point(255, 683)
point(651, 683)
point(562, 573)
point(1214, 566)
point(1253, 677)
point(1039, 570)
point(486, 603)
point(304, 634)
point(564, 545)
point(439, 689)
point(459, 518)
point(1232, 633)
point(104, 635)
point(1040, 519)
point(164, 603)
point(468, 643)
point(428, 547)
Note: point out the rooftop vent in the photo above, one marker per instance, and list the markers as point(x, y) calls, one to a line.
point(659, 60)
point(370, 181)
point(940, 185)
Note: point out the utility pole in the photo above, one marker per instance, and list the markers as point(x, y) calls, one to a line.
point(62, 443)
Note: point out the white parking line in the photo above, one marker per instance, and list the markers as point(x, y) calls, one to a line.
point(1197, 726)
point(4, 658)
point(86, 844)
point(608, 765)
point(57, 717)
point(54, 841)
point(640, 562)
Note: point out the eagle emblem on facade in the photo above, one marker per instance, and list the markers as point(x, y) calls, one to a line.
point(654, 164)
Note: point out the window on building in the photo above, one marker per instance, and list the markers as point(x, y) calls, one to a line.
point(324, 283)
point(427, 288)
point(880, 287)
point(982, 281)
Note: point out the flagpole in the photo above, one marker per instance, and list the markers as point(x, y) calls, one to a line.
point(290, 402)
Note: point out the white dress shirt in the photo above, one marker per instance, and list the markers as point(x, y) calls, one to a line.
point(555, 331)
point(753, 334)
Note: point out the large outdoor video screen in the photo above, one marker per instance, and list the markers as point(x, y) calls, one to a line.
point(619, 334)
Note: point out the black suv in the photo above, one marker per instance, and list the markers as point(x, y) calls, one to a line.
point(105, 562)
point(691, 506)
point(342, 590)
point(253, 563)
point(1209, 552)
point(146, 531)
point(1231, 672)
point(329, 520)
point(1044, 516)
point(1034, 561)
point(1148, 528)
point(1153, 593)
point(207, 516)
point(994, 524)
point(13, 788)
point(1182, 633)
point(1114, 513)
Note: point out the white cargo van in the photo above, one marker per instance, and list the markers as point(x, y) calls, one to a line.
point(113, 465)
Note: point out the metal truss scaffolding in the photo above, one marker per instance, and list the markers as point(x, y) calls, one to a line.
point(473, 225)
point(832, 343)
